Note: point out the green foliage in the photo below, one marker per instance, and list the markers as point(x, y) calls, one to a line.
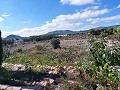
point(55, 43)
point(41, 38)
point(99, 62)
point(19, 50)
point(1, 50)
point(102, 32)
point(8, 42)
point(118, 30)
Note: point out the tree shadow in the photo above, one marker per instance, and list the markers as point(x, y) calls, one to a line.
point(23, 78)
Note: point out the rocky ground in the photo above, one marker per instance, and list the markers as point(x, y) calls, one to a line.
point(53, 77)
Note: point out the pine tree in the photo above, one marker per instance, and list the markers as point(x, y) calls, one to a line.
point(1, 50)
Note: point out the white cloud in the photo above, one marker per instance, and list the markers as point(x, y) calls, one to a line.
point(5, 15)
point(78, 2)
point(91, 8)
point(1, 19)
point(105, 19)
point(61, 22)
point(95, 7)
point(118, 6)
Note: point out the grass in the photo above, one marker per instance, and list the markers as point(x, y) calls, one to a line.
point(43, 56)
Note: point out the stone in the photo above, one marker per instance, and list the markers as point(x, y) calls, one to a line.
point(33, 83)
point(50, 72)
point(37, 66)
point(14, 68)
point(43, 83)
point(58, 80)
point(36, 87)
point(72, 82)
point(55, 71)
point(14, 88)
point(62, 71)
point(49, 80)
point(3, 87)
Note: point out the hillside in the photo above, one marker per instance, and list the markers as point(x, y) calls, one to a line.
point(13, 37)
point(108, 27)
point(64, 32)
point(61, 32)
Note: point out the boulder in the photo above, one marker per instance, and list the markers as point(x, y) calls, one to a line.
point(49, 80)
point(13, 88)
point(3, 87)
point(44, 83)
point(36, 87)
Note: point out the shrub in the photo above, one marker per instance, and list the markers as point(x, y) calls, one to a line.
point(19, 50)
point(100, 60)
point(55, 43)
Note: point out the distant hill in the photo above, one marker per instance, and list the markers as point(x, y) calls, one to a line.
point(61, 32)
point(108, 27)
point(64, 32)
point(13, 37)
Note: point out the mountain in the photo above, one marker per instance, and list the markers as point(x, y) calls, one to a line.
point(64, 32)
point(13, 37)
point(61, 32)
point(108, 27)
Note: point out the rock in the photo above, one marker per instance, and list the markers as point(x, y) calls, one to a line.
point(53, 71)
point(58, 80)
point(49, 80)
point(18, 67)
point(62, 71)
point(53, 68)
point(37, 66)
point(21, 67)
point(14, 88)
point(33, 83)
point(14, 68)
point(50, 72)
point(3, 87)
point(36, 87)
point(65, 67)
point(70, 67)
point(43, 83)
point(48, 67)
point(72, 82)
point(43, 71)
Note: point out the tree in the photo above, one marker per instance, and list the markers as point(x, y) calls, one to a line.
point(1, 50)
point(92, 31)
point(110, 31)
point(55, 43)
point(118, 30)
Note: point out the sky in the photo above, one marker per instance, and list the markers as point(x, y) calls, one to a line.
point(36, 17)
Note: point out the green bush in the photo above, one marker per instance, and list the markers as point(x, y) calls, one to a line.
point(99, 62)
point(55, 43)
point(19, 50)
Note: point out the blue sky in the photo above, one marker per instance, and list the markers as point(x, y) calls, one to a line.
point(36, 17)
